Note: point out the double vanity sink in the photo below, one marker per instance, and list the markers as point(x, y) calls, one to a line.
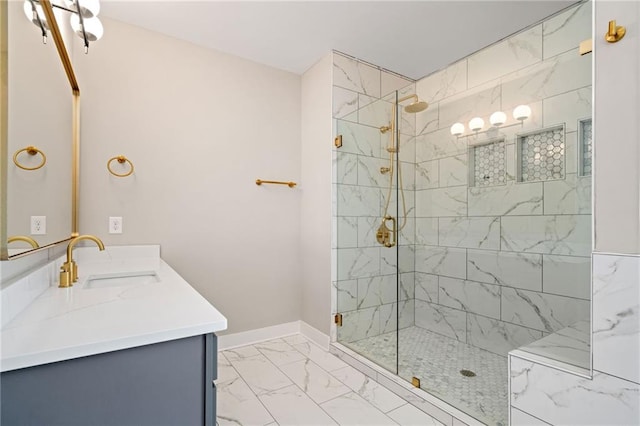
point(131, 328)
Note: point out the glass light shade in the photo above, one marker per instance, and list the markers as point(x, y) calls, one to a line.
point(498, 118)
point(457, 129)
point(521, 112)
point(28, 11)
point(92, 26)
point(476, 124)
point(88, 8)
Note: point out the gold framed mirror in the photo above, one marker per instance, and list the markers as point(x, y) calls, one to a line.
point(38, 207)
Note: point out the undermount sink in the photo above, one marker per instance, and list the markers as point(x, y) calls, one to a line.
point(121, 279)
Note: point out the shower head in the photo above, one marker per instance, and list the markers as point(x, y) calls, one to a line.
point(417, 106)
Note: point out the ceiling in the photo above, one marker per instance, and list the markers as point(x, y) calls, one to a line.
point(412, 38)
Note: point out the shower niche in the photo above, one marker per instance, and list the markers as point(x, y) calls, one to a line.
point(493, 228)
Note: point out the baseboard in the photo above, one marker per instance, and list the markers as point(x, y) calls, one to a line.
point(315, 335)
point(230, 341)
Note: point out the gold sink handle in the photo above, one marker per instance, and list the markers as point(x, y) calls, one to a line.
point(69, 269)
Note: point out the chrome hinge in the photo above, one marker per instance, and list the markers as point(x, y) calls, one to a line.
point(338, 319)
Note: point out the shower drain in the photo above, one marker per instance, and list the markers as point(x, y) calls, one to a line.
point(467, 373)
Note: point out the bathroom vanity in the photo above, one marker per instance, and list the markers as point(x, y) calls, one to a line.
point(130, 343)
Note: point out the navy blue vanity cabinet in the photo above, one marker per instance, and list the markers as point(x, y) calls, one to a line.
point(167, 383)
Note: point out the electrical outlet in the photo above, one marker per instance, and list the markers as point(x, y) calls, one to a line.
point(115, 224)
point(38, 225)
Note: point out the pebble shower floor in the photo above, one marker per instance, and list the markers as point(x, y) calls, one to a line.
point(437, 361)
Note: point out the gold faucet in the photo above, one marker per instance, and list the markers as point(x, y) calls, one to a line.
point(69, 269)
point(24, 238)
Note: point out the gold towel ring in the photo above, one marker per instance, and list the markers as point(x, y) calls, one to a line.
point(121, 159)
point(31, 150)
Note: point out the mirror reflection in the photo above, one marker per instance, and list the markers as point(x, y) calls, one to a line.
point(39, 138)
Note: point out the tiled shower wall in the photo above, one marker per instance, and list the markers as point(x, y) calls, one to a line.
point(365, 276)
point(499, 265)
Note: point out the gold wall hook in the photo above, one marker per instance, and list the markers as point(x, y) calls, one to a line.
point(120, 159)
point(31, 150)
point(615, 33)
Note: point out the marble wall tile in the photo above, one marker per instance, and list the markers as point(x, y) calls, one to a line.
point(450, 262)
point(571, 195)
point(454, 171)
point(520, 270)
point(562, 398)
point(571, 152)
point(407, 313)
point(470, 232)
point(567, 276)
point(567, 234)
point(359, 139)
point(442, 202)
point(427, 231)
point(559, 74)
point(445, 83)
point(429, 120)
point(376, 291)
point(407, 288)
point(367, 228)
point(497, 336)
point(391, 82)
point(544, 312)
point(512, 54)
point(347, 231)
point(441, 319)
point(571, 345)
point(347, 295)
point(506, 200)
point(520, 418)
point(357, 76)
point(389, 318)
point(567, 108)
point(482, 101)
point(439, 144)
point(408, 171)
point(358, 263)
point(345, 102)
point(616, 315)
point(375, 114)
point(407, 121)
point(346, 168)
point(407, 152)
point(427, 287)
point(407, 235)
point(369, 172)
point(470, 296)
point(357, 325)
point(566, 30)
point(358, 200)
point(427, 175)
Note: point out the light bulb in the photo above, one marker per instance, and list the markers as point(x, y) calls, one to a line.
point(521, 112)
point(28, 11)
point(457, 129)
point(498, 118)
point(476, 124)
point(88, 8)
point(92, 27)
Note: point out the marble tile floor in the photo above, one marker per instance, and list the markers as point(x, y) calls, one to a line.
point(437, 360)
point(291, 381)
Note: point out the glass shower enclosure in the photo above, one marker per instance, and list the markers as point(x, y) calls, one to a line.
point(463, 231)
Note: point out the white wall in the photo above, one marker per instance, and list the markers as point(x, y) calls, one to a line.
point(200, 127)
point(315, 232)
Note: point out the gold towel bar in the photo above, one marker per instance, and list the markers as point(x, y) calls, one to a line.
point(121, 159)
point(31, 150)
point(275, 182)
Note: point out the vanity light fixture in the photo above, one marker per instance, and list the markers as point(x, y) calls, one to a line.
point(522, 112)
point(498, 118)
point(83, 19)
point(457, 129)
point(476, 124)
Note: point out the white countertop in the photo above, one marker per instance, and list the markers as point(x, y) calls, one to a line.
point(63, 324)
